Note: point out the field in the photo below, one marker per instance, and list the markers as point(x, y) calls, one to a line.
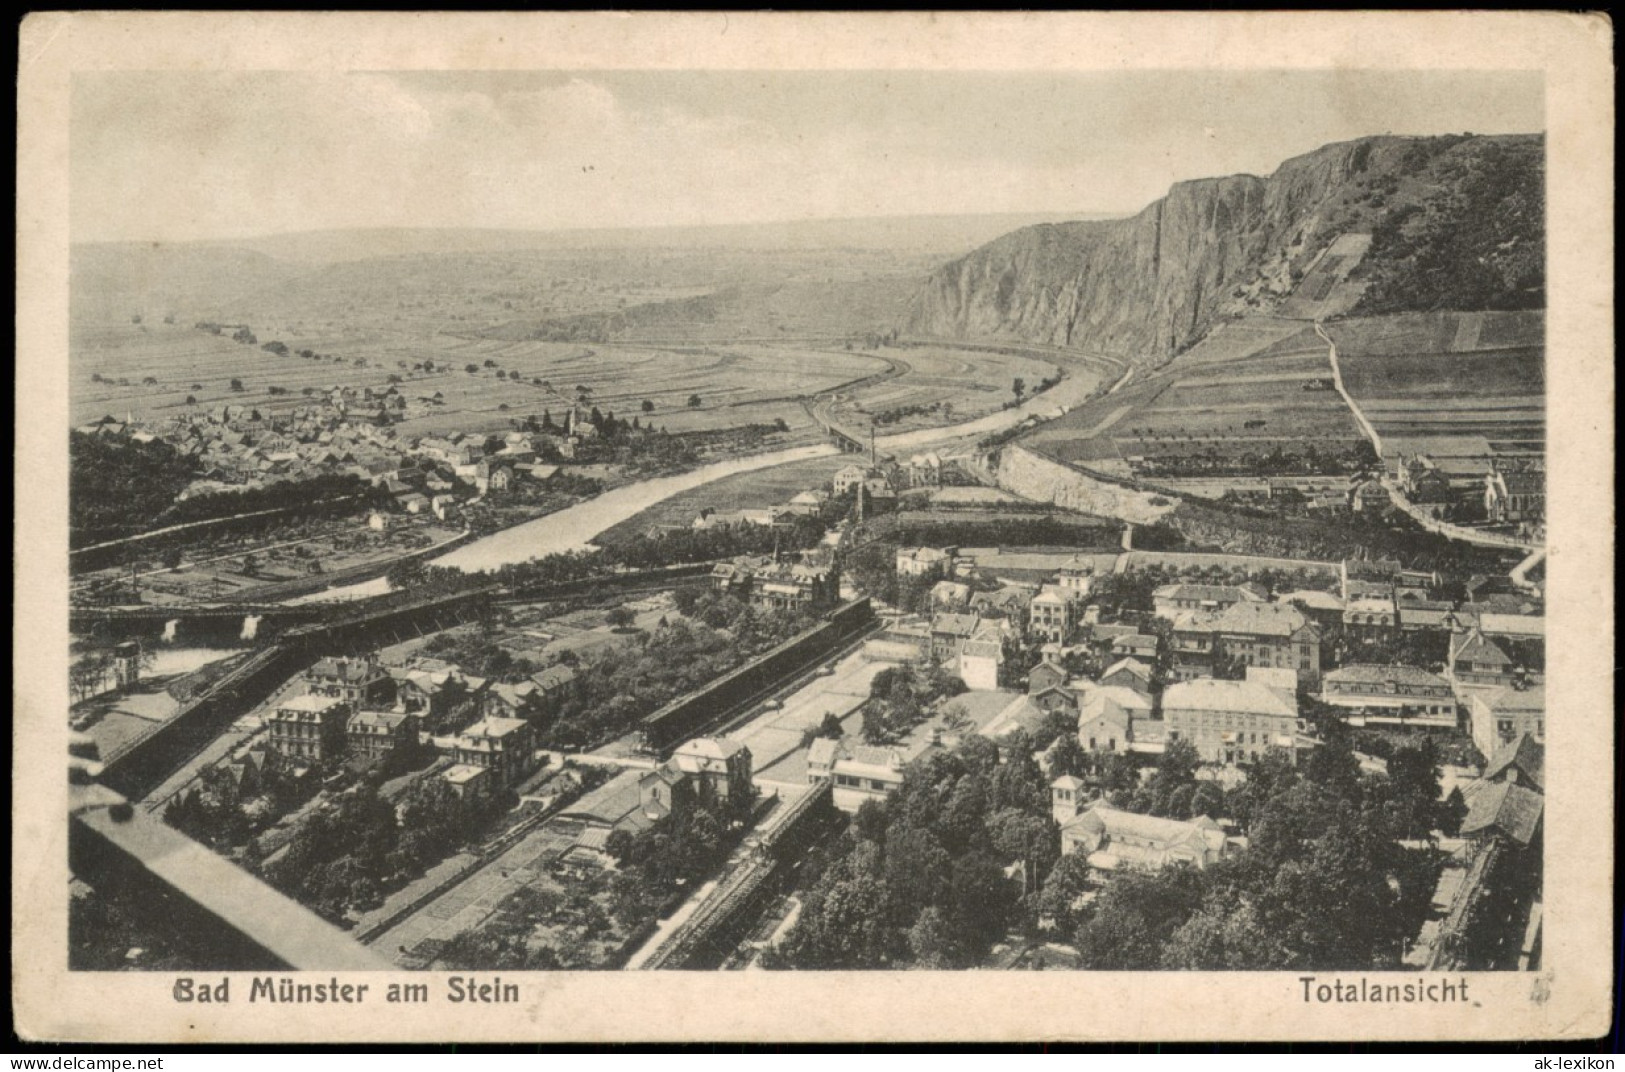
point(1449, 375)
point(949, 384)
point(1251, 388)
point(754, 490)
point(751, 332)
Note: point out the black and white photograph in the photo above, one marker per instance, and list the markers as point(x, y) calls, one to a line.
point(537, 519)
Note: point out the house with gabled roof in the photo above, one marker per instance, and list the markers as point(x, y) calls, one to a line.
point(1129, 673)
point(1475, 660)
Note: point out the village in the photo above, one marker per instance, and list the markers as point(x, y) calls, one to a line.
point(515, 743)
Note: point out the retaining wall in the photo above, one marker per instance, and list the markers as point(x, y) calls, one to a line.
point(1034, 476)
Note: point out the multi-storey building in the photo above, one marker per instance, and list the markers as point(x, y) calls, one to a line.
point(1230, 721)
point(358, 682)
point(1052, 616)
point(504, 746)
point(376, 735)
point(310, 727)
point(1395, 694)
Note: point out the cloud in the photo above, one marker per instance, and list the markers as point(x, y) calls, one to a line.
point(177, 155)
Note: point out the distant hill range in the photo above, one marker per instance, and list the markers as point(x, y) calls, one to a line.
point(1450, 222)
point(109, 279)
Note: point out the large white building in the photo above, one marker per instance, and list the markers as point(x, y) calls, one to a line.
point(1230, 721)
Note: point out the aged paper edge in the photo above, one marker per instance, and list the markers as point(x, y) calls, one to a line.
point(1570, 997)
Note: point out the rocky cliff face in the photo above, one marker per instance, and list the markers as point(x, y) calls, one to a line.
point(1145, 287)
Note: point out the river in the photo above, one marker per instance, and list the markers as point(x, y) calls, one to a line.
point(575, 528)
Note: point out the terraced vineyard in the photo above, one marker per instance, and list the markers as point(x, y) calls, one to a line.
point(1449, 376)
point(1252, 389)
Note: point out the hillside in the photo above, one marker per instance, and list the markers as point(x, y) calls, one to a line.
point(1452, 222)
point(115, 281)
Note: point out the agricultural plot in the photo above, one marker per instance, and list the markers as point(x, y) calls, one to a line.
point(150, 371)
point(1449, 376)
point(754, 490)
point(1325, 289)
point(940, 385)
point(1254, 393)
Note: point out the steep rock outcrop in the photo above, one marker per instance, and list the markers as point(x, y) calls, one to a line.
point(1147, 286)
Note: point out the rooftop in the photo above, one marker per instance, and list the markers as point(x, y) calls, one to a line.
point(1373, 674)
point(1206, 593)
point(1509, 700)
point(1526, 754)
point(1239, 697)
point(495, 727)
point(311, 703)
point(955, 624)
point(1131, 665)
point(1510, 809)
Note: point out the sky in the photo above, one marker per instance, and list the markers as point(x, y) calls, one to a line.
point(176, 156)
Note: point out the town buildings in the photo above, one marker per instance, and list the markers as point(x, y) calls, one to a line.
point(1051, 616)
point(1110, 717)
point(1502, 715)
point(859, 773)
point(718, 769)
point(309, 727)
point(981, 659)
point(1170, 599)
point(358, 682)
point(1230, 721)
point(1404, 695)
point(1115, 840)
point(506, 747)
point(377, 735)
point(949, 632)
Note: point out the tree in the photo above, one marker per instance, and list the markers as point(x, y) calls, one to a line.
point(980, 900)
point(406, 574)
point(1452, 812)
point(931, 941)
point(693, 401)
point(236, 384)
point(1018, 387)
point(620, 617)
point(1414, 782)
point(1134, 917)
point(844, 927)
point(191, 400)
point(1067, 757)
point(88, 673)
point(647, 406)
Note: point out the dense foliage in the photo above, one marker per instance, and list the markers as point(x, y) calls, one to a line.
point(1324, 883)
point(900, 698)
point(616, 686)
point(117, 486)
point(347, 856)
point(1474, 238)
point(920, 880)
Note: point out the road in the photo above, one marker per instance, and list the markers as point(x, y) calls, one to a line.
point(1354, 407)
